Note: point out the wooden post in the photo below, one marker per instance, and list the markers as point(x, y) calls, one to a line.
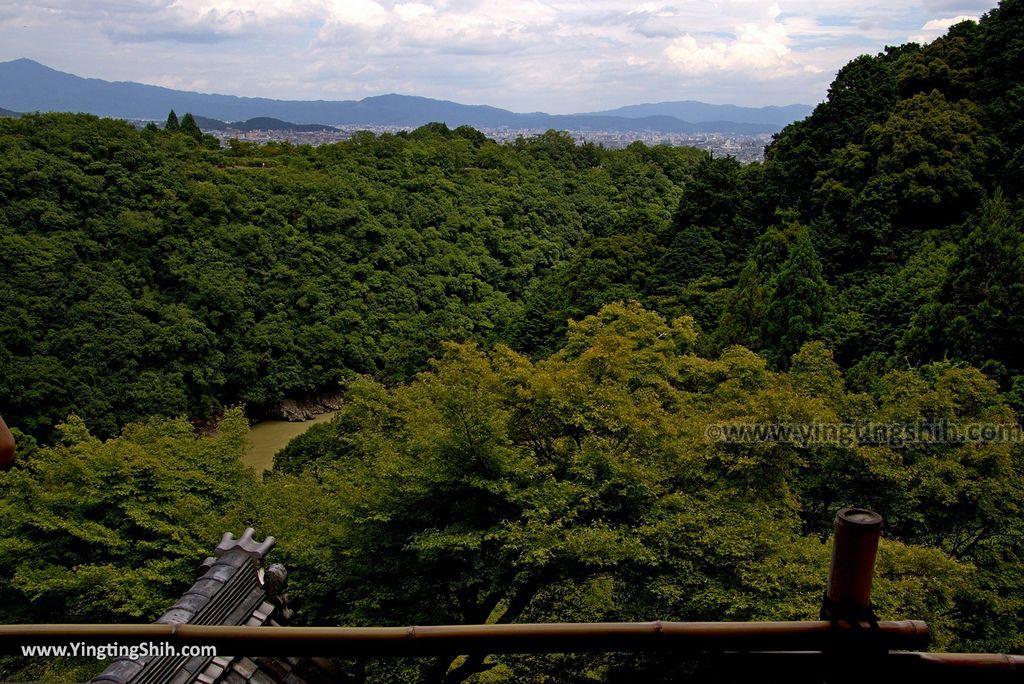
point(6, 446)
point(854, 547)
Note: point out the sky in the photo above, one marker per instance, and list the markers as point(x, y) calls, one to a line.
point(554, 56)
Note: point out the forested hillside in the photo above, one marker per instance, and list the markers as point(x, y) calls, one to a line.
point(886, 224)
point(150, 273)
point(532, 340)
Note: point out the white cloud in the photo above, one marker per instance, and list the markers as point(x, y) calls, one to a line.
point(409, 11)
point(940, 25)
point(365, 14)
point(934, 28)
point(487, 27)
point(761, 47)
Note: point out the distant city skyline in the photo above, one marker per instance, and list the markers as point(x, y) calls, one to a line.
point(557, 57)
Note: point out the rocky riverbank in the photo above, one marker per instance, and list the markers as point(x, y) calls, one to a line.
point(297, 411)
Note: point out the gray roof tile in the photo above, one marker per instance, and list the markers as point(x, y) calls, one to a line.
point(120, 670)
point(176, 616)
point(206, 587)
point(245, 543)
point(181, 677)
point(233, 677)
point(244, 667)
point(214, 669)
point(259, 677)
point(221, 572)
point(192, 602)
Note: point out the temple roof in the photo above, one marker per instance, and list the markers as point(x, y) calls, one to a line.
point(232, 588)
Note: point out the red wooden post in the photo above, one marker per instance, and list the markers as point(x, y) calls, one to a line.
point(6, 446)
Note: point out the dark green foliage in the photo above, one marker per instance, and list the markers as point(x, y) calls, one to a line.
point(890, 174)
point(172, 122)
point(947, 64)
point(863, 93)
point(693, 252)
point(799, 300)
point(928, 156)
point(978, 314)
point(151, 274)
point(722, 195)
point(189, 126)
point(871, 316)
point(605, 270)
point(305, 451)
point(711, 198)
point(746, 311)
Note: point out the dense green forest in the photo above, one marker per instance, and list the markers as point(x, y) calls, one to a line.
point(152, 273)
point(532, 339)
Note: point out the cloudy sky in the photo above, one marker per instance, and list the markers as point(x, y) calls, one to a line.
point(557, 56)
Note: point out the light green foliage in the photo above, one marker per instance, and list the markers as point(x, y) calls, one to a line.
point(578, 487)
point(111, 531)
point(582, 487)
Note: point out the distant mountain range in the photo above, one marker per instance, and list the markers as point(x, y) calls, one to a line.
point(691, 110)
point(28, 86)
point(259, 123)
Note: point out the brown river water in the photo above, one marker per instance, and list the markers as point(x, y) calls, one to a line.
point(267, 437)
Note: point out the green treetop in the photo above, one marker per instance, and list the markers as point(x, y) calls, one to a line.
point(172, 122)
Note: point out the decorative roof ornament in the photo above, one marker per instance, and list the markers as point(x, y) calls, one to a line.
point(245, 543)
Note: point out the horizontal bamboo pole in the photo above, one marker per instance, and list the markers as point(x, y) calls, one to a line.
point(802, 666)
point(966, 661)
point(801, 649)
point(680, 637)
